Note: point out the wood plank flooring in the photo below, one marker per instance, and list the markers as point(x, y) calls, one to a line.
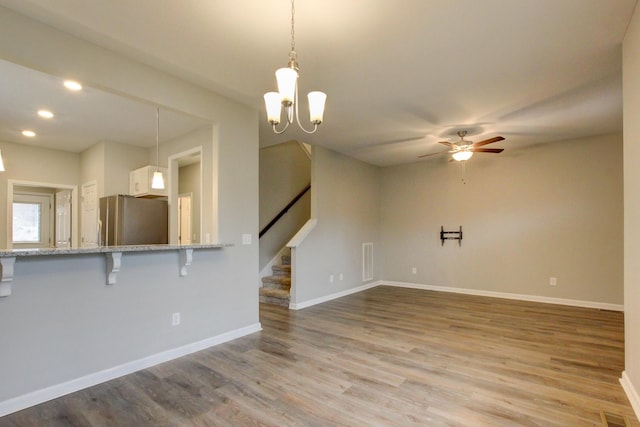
point(383, 357)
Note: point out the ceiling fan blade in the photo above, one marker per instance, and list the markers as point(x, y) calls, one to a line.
point(447, 143)
point(488, 141)
point(433, 154)
point(487, 150)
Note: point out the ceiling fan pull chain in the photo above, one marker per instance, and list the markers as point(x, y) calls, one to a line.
point(462, 170)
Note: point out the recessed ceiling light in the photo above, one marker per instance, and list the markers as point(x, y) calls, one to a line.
point(72, 85)
point(29, 133)
point(45, 114)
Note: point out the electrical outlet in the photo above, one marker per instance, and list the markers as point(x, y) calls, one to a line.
point(175, 319)
point(331, 278)
point(341, 276)
point(246, 239)
point(553, 281)
point(414, 270)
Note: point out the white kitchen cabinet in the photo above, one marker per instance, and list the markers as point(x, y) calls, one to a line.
point(140, 182)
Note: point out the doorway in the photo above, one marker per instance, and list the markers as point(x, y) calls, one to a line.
point(89, 215)
point(185, 197)
point(184, 219)
point(41, 215)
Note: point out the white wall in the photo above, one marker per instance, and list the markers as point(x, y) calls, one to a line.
point(66, 323)
point(285, 170)
point(528, 214)
point(345, 203)
point(631, 97)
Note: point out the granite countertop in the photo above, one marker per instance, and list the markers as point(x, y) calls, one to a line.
point(106, 249)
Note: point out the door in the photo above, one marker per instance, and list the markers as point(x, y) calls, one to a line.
point(184, 219)
point(31, 222)
point(63, 219)
point(89, 215)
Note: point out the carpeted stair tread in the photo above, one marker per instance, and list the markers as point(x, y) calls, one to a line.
point(281, 270)
point(277, 293)
point(276, 289)
point(283, 282)
point(282, 302)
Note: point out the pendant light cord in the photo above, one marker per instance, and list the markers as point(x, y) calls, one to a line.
point(157, 139)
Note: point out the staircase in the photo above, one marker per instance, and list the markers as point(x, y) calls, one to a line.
point(277, 287)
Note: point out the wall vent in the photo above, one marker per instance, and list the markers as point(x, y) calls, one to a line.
point(367, 262)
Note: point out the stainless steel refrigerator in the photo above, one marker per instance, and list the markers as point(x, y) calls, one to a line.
point(128, 220)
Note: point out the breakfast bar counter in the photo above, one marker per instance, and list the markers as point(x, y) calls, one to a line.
point(113, 256)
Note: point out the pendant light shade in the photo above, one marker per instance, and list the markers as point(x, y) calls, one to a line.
point(1, 162)
point(157, 182)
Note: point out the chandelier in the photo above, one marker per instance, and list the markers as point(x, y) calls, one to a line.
point(287, 96)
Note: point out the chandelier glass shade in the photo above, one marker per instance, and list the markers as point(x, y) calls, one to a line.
point(287, 96)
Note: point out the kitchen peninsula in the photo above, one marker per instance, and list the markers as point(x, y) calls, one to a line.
point(113, 257)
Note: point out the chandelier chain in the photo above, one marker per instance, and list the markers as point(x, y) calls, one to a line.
point(293, 22)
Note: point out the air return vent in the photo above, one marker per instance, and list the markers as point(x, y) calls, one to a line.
point(367, 261)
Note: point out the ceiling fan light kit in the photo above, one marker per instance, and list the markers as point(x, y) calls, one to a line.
point(461, 156)
point(287, 96)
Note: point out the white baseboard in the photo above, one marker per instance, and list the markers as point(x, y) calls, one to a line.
point(305, 304)
point(506, 295)
point(477, 292)
point(40, 396)
point(631, 392)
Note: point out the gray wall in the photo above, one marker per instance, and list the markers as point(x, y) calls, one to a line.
point(631, 95)
point(528, 214)
point(284, 171)
point(65, 321)
point(344, 200)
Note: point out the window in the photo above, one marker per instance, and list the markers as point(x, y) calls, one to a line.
point(32, 221)
point(26, 222)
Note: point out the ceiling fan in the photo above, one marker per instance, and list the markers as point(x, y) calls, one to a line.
point(463, 149)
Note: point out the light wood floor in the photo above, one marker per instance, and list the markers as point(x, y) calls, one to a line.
point(383, 357)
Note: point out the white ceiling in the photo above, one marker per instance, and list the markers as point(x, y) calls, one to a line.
point(81, 118)
point(400, 75)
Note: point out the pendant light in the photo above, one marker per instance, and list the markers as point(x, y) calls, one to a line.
point(287, 96)
point(1, 162)
point(158, 181)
